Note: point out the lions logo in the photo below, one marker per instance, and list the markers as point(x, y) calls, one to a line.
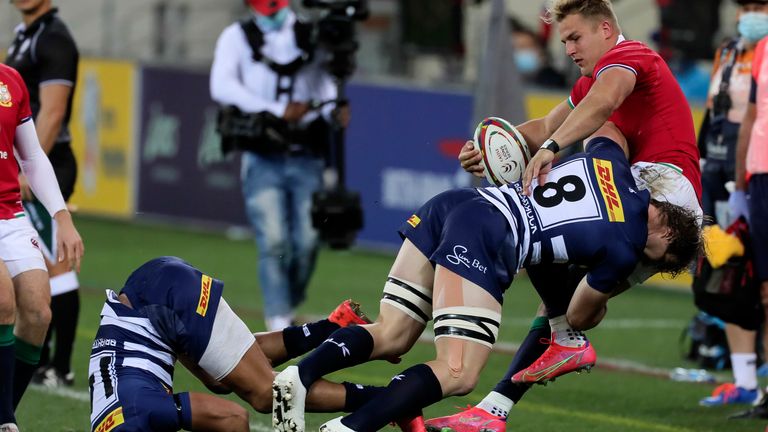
point(5, 96)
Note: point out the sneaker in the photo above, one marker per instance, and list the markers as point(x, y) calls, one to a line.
point(759, 411)
point(53, 379)
point(39, 375)
point(9, 427)
point(726, 394)
point(762, 371)
point(348, 313)
point(288, 397)
point(557, 360)
point(412, 423)
point(472, 419)
point(335, 425)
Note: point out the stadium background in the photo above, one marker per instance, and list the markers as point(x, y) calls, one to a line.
point(153, 182)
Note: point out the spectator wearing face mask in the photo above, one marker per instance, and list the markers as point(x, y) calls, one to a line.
point(728, 106)
point(531, 58)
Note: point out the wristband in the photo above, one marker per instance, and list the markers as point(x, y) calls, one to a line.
point(550, 145)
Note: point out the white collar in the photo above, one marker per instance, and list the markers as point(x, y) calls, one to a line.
point(620, 39)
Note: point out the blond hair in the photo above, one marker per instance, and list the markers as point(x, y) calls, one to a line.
point(600, 9)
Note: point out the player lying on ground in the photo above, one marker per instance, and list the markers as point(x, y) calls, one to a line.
point(169, 310)
point(461, 251)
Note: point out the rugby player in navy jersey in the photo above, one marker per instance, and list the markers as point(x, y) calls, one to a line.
point(168, 311)
point(459, 254)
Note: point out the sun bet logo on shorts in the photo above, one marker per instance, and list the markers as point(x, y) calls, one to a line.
point(205, 295)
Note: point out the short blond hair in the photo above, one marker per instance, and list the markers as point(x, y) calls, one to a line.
point(600, 9)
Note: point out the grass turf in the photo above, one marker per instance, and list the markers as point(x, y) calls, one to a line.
point(642, 326)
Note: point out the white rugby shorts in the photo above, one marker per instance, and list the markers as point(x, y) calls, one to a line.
point(230, 340)
point(665, 182)
point(20, 246)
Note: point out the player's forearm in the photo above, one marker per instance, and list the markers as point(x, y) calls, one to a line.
point(585, 119)
point(742, 145)
point(48, 125)
point(535, 132)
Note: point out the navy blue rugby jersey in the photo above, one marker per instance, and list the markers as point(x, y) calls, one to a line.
point(590, 212)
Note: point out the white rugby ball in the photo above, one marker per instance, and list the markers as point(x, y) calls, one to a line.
point(504, 150)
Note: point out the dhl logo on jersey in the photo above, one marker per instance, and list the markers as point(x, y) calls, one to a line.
point(205, 295)
point(111, 421)
point(414, 221)
point(604, 171)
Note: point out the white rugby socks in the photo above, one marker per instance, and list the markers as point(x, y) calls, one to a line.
point(745, 370)
point(564, 335)
point(496, 404)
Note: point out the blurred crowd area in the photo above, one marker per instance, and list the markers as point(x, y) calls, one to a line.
point(433, 42)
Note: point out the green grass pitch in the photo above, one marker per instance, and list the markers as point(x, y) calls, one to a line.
point(642, 329)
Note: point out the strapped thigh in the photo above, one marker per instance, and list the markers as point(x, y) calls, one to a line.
point(412, 299)
point(474, 324)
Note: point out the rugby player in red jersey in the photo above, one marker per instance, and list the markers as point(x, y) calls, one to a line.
point(24, 290)
point(630, 85)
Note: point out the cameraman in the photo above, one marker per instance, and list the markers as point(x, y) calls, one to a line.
point(267, 71)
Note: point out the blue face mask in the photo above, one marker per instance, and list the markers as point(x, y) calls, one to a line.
point(273, 22)
point(753, 26)
point(526, 61)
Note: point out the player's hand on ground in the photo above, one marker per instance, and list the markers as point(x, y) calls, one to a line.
point(470, 158)
point(538, 168)
point(68, 242)
point(26, 191)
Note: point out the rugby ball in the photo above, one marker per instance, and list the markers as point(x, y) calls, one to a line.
point(504, 150)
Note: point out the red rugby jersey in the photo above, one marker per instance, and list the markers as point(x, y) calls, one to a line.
point(655, 117)
point(14, 110)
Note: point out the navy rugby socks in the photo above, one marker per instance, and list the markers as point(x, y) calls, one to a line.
point(7, 360)
point(529, 351)
point(407, 393)
point(27, 358)
point(346, 347)
point(359, 395)
point(300, 340)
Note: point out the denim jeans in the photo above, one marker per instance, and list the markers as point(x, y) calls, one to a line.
point(278, 197)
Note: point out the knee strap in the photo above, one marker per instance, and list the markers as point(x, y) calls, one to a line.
point(412, 299)
point(469, 323)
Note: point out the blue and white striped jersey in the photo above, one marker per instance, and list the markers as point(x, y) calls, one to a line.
point(590, 212)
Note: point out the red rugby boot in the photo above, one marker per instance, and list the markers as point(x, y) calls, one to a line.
point(557, 360)
point(348, 313)
point(472, 419)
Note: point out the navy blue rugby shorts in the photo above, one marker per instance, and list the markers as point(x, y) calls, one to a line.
point(463, 232)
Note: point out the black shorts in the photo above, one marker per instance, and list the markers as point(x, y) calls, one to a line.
point(65, 167)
